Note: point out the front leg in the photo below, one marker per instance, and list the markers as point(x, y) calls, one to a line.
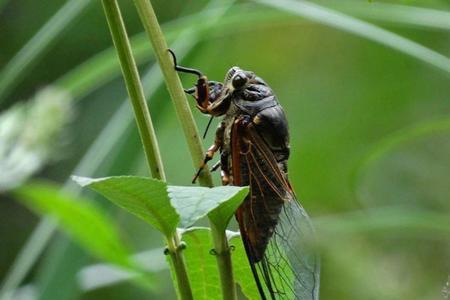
point(217, 145)
point(205, 94)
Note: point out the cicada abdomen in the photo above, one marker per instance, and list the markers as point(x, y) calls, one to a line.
point(275, 229)
point(253, 141)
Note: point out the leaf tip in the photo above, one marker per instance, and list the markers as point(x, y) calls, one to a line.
point(82, 181)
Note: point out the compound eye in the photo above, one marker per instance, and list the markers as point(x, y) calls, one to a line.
point(239, 81)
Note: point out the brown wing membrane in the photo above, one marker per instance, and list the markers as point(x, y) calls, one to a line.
point(276, 230)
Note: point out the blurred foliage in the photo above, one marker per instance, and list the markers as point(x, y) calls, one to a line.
point(351, 103)
point(79, 218)
point(27, 144)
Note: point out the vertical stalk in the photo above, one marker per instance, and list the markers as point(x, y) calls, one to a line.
point(179, 266)
point(184, 114)
point(174, 86)
point(134, 87)
point(223, 254)
point(146, 130)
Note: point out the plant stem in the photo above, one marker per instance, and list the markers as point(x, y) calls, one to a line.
point(148, 137)
point(179, 265)
point(223, 258)
point(184, 115)
point(174, 86)
point(134, 87)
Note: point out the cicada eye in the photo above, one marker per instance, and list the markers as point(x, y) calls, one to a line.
point(239, 81)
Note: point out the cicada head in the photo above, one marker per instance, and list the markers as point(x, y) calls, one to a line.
point(244, 86)
point(238, 85)
point(237, 79)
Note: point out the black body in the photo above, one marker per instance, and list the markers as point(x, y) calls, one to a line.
point(253, 141)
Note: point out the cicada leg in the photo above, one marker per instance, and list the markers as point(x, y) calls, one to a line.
point(215, 166)
point(190, 91)
point(205, 92)
point(201, 89)
point(218, 142)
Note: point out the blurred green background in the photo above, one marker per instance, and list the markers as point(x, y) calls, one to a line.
point(370, 130)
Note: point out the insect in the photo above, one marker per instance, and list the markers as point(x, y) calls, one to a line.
point(253, 141)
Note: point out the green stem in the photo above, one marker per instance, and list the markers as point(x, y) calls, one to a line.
point(134, 87)
point(174, 86)
point(223, 258)
point(148, 137)
point(184, 115)
point(179, 265)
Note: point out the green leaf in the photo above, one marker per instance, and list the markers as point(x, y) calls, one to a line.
point(144, 197)
point(165, 207)
point(241, 268)
point(202, 266)
point(80, 219)
point(223, 213)
point(193, 203)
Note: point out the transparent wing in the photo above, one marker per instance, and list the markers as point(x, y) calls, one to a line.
point(276, 230)
point(290, 255)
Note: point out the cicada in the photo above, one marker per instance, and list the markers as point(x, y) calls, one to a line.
point(253, 141)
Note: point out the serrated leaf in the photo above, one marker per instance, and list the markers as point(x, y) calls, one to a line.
point(193, 203)
point(85, 223)
point(146, 198)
